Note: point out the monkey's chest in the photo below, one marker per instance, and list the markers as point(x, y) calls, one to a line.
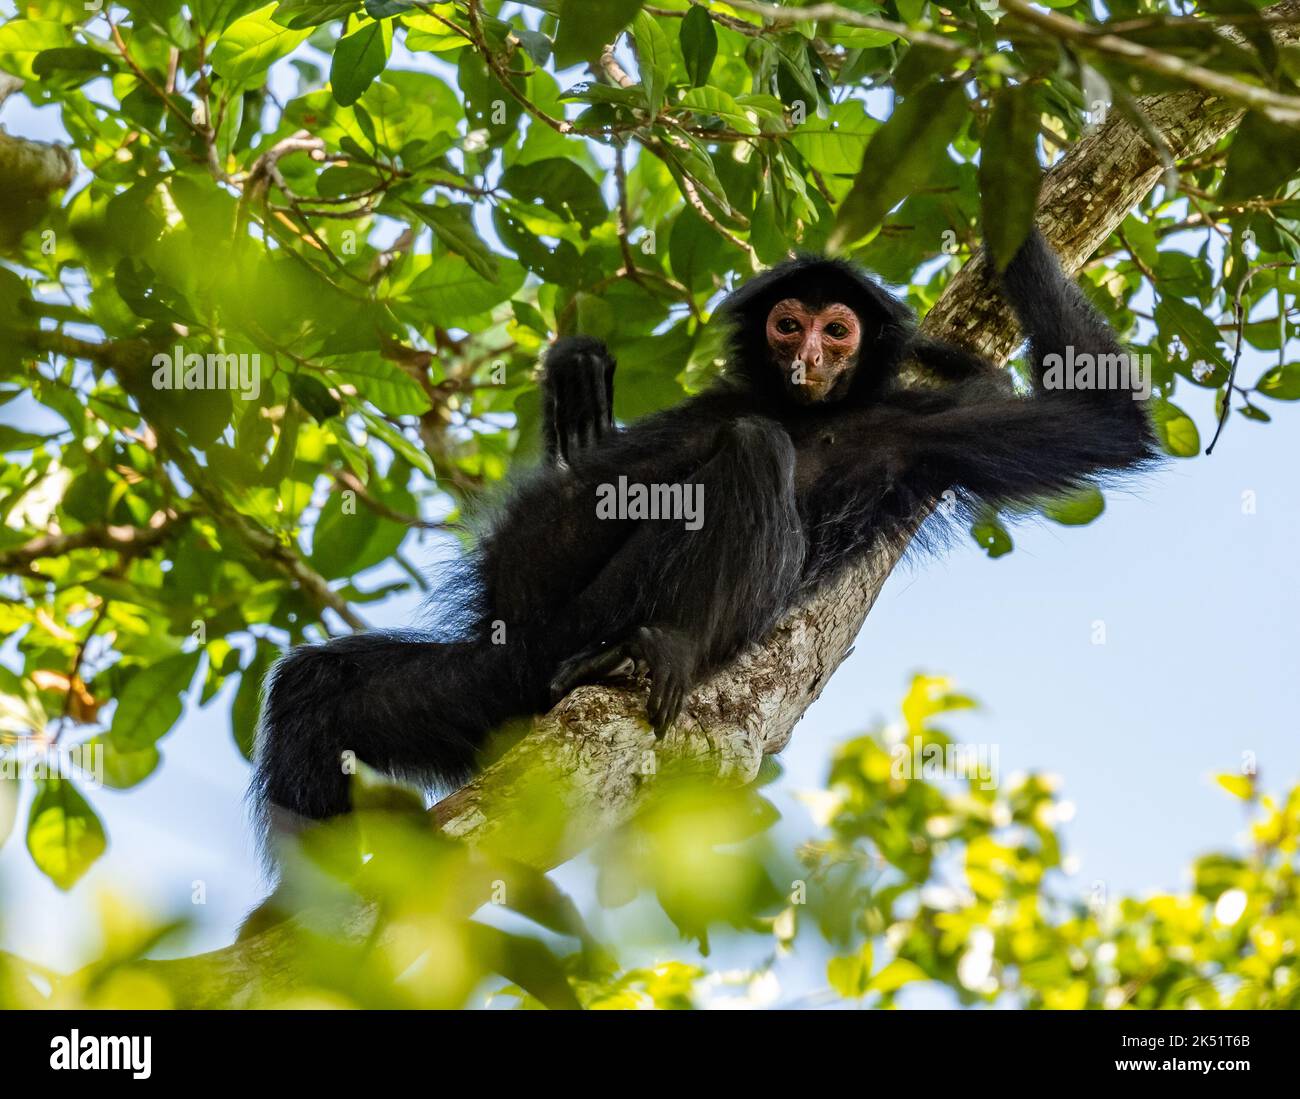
point(815, 453)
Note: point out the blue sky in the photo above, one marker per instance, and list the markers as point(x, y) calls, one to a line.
point(1200, 603)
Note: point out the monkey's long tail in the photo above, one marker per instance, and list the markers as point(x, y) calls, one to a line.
point(400, 702)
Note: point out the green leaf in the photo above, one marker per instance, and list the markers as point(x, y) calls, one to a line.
point(314, 397)
point(562, 187)
point(452, 292)
point(834, 144)
point(859, 38)
point(382, 9)
point(795, 78)
point(383, 383)
point(991, 536)
point(656, 56)
point(14, 439)
point(358, 59)
point(22, 40)
point(214, 16)
point(850, 974)
point(64, 835)
point(400, 444)
point(311, 13)
point(125, 767)
point(424, 32)
point(1264, 155)
point(1282, 383)
point(72, 59)
point(588, 26)
point(525, 961)
point(1175, 429)
point(454, 226)
point(699, 42)
point(152, 700)
point(1195, 331)
point(716, 102)
point(1009, 171)
point(1076, 509)
point(695, 251)
point(900, 158)
point(896, 974)
point(252, 45)
point(350, 538)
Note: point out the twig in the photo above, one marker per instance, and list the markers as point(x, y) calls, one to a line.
point(146, 80)
point(346, 479)
point(1240, 317)
point(623, 215)
point(834, 13)
point(721, 18)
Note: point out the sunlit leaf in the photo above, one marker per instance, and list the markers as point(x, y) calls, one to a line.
point(64, 835)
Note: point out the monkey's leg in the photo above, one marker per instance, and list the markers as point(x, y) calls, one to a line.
point(577, 397)
point(700, 595)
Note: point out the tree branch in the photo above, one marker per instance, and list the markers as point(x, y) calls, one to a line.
point(123, 539)
point(30, 172)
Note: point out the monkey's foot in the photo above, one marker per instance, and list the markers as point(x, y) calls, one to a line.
point(610, 661)
point(661, 653)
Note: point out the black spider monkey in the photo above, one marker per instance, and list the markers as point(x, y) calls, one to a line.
point(808, 453)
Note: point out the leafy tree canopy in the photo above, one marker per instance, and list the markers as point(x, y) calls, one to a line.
point(271, 307)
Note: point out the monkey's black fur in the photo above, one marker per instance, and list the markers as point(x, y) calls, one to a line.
point(792, 494)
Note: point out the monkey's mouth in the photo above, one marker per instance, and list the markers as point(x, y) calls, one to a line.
point(815, 386)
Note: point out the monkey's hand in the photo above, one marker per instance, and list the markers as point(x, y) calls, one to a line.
point(577, 397)
point(667, 655)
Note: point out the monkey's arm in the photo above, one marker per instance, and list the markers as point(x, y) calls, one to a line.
point(577, 397)
point(1010, 450)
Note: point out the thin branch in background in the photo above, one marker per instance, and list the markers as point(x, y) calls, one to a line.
point(74, 673)
point(697, 204)
point(480, 43)
point(834, 13)
point(348, 480)
point(1239, 316)
point(721, 18)
point(1137, 260)
point(145, 79)
point(623, 215)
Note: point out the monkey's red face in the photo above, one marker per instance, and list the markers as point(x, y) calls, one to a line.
point(816, 349)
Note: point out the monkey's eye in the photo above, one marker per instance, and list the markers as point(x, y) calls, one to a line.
point(787, 325)
point(836, 330)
